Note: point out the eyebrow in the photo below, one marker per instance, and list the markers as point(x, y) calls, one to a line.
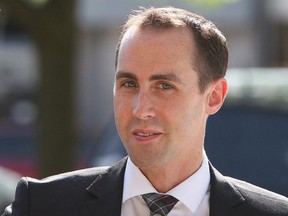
point(123, 74)
point(168, 76)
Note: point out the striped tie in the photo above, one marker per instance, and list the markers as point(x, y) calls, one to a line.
point(159, 204)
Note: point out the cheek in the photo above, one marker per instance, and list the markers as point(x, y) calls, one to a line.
point(181, 108)
point(120, 117)
point(174, 115)
point(187, 115)
point(118, 110)
point(121, 109)
point(119, 103)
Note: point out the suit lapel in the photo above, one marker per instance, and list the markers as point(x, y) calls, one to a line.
point(107, 191)
point(224, 197)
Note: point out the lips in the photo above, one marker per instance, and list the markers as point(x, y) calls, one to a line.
point(146, 135)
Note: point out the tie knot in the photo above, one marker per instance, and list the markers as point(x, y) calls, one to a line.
point(159, 204)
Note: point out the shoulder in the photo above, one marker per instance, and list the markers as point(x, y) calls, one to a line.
point(66, 192)
point(62, 184)
point(82, 174)
point(79, 176)
point(231, 196)
point(67, 189)
point(262, 195)
point(261, 199)
point(79, 179)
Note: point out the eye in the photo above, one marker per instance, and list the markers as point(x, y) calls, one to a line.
point(129, 84)
point(165, 86)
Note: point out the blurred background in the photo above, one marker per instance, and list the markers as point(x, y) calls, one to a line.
point(56, 80)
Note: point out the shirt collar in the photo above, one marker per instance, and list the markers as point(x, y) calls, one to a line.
point(198, 184)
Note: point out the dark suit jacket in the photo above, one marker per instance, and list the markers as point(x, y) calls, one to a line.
point(98, 191)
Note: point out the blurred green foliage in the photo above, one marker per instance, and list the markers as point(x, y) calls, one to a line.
point(37, 3)
point(210, 3)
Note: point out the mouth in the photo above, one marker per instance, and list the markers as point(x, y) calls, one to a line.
point(146, 135)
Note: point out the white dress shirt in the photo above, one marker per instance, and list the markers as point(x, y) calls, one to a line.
point(193, 194)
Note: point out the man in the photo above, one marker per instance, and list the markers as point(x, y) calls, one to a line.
point(170, 68)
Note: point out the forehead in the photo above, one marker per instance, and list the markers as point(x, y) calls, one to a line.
point(153, 53)
point(183, 34)
point(157, 45)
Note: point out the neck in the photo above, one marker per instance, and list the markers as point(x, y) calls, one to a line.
point(168, 176)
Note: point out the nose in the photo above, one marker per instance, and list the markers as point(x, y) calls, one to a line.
point(143, 107)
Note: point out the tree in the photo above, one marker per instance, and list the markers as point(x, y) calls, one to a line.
point(50, 23)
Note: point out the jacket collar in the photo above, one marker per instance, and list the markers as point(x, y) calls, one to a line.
point(107, 190)
point(224, 196)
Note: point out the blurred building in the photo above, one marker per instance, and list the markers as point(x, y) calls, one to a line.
point(257, 32)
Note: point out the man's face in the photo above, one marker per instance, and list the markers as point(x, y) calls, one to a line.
point(159, 111)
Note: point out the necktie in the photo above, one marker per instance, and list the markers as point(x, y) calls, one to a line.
point(159, 204)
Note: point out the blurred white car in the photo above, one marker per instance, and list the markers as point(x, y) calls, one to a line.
point(8, 182)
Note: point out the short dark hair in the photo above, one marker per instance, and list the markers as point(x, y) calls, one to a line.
point(211, 57)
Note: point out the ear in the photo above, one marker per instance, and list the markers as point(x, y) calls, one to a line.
point(216, 96)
